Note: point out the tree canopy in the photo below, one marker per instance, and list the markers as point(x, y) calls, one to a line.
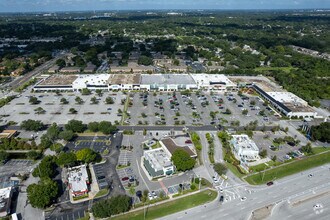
point(112, 206)
point(42, 194)
point(32, 125)
point(182, 160)
point(87, 155)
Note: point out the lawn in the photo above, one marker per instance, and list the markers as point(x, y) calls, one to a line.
point(289, 169)
point(285, 69)
point(101, 193)
point(171, 207)
point(234, 170)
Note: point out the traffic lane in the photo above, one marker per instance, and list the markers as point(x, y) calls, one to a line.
point(241, 210)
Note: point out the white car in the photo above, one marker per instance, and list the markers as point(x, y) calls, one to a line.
point(150, 196)
point(310, 175)
point(215, 180)
point(317, 206)
point(243, 199)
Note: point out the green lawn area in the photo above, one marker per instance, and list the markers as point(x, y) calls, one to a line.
point(102, 192)
point(318, 150)
point(289, 169)
point(171, 207)
point(285, 69)
point(234, 169)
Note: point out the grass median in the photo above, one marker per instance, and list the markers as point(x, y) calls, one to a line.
point(289, 169)
point(171, 207)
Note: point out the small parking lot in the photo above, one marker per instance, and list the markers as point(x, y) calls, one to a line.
point(126, 176)
point(125, 157)
point(265, 141)
point(101, 177)
point(75, 214)
point(16, 166)
point(96, 143)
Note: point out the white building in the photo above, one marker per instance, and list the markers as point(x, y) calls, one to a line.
point(157, 163)
point(287, 103)
point(92, 82)
point(213, 82)
point(5, 201)
point(167, 82)
point(78, 180)
point(244, 148)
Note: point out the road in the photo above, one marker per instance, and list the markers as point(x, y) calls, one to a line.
point(287, 190)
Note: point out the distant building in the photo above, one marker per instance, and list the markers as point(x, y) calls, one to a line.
point(244, 149)
point(8, 133)
point(92, 82)
point(90, 68)
point(157, 163)
point(213, 82)
point(287, 103)
point(5, 201)
point(72, 69)
point(78, 180)
point(54, 69)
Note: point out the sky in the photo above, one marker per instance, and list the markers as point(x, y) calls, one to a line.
point(82, 5)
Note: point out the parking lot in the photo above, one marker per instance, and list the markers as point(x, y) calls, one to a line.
point(73, 215)
point(100, 173)
point(16, 166)
point(173, 108)
point(125, 158)
point(126, 176)
point(96, 143)
point(54, 111)
point(265, 141)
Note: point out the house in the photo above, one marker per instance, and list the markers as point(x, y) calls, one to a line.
point(54, 69)
point(90, 68)
point(244, 149)
point(72, 69)
point(5, 201)
point(78, 180)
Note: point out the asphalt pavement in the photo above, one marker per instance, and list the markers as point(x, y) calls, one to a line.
point(288, 190)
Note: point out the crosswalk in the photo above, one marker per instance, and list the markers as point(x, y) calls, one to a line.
point(232, 191)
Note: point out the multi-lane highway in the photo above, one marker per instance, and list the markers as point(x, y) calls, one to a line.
point(290, 190)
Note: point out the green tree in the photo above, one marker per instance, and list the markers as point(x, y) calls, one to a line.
point(52, 132)
point(39, 110)
point(85, 91)
point(67, 135)
point(33, 155)
point(61, 63)
point(3, 156)
point(263, 153)
point(87, 155)
point(182, 160)
point(42, 194)
point(75, 126)
point(93, 126)
point(33, 100)
point(66, 159)
point(114, 205)
point(109, 100)
point(106, 127)
point(64, 101)
point(46, 168)
point(307, 148)
point(220, 168)
point(32, 125)
point(99, 92)
point(144, 60)
point(94, 100)
point(78, 100)
point(73, 111)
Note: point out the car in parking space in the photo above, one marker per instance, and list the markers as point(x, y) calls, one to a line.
point(125, 178)
point(221, 199)
point(243, 199)
point(139, 194)
point(310, 175)
point(150, 196)
point(154, 194)
point(270, 183)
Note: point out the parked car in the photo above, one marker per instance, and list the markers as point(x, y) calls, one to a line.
point(221, 199)
point(125, 178)
point(270, 183)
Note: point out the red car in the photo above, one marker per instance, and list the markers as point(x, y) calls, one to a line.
point(125, 178)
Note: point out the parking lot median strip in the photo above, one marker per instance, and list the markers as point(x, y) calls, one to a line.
point(169, 207)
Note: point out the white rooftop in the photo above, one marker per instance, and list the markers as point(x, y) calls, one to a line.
point(244, 143)
point(208, 79)
point(91, 79)
point(78, 177)
point(286, 97)
point(5, 194)
point(157, 158)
